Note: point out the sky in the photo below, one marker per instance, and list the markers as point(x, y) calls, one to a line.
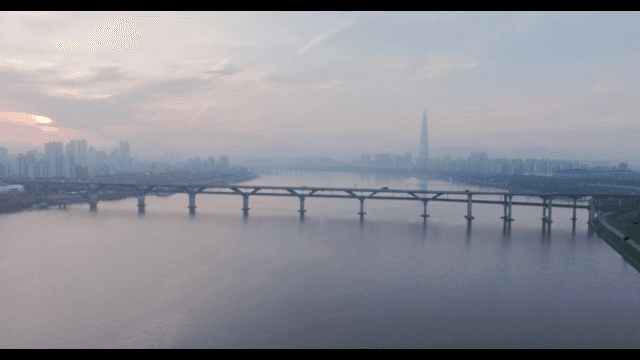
point(289, 83)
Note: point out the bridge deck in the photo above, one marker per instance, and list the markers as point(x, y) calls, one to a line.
point(339, 189)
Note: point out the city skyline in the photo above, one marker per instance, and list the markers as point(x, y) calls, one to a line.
point(492, 80)
point(319, 179)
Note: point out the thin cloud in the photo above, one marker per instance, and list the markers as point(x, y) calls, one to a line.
point(223, 67)
point(317, 40)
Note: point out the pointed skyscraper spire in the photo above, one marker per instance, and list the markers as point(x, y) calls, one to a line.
point(424, 138)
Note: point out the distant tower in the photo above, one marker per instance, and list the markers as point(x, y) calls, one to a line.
point(81, 152)
point(424, 139)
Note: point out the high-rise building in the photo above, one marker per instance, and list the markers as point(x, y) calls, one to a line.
point(71, 148)
point(195, 164)
point(4, 154)
point(211, 164)
point(82, 152)
point(54, 154)
point(91, 156)
point(224, 161)
point(124, 150)
point(424, 140)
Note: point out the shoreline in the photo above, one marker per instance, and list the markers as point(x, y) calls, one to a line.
point(627, 247)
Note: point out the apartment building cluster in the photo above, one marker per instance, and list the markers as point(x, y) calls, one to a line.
point(72, 160)
point(479, 162)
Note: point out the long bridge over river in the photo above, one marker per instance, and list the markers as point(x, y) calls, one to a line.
point(92, 192)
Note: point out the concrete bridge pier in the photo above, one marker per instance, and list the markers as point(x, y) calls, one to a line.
point(361, 213)
point(192, 202)
point(574, 218)
point(469, 216)
point(302, 210)
point(93, 201)
point(505, 205)
point(544, 210)
point(549, 221)
point(141, 204)
point(245, 204)
point(424, 213)
point(507, 209)
point(592, 213)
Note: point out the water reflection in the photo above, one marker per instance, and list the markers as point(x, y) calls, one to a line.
point(424, 230)
point(468, 234)
point(545, 244)
point(506, 237)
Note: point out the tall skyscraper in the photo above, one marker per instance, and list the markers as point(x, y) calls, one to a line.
point(125, 151)
point(71, 148)
point(91, 156)
point(82, 152)
point(4, 154)
point(54, 154)
point(424, 138)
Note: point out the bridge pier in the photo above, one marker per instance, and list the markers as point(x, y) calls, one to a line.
point(302, 210)
point(141, 204)
point(591, 214)
point(245, 204)
point(424, 214)
point(575, 202)
point(544, 210)
point(93, 201)
point(507, 208)
point(361, 213)
point(192, 201)
point(469, 216)
point(549, 221)
point(504, 217)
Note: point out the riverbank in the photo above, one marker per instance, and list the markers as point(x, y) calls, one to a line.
point(627, 244)
point(30, 202)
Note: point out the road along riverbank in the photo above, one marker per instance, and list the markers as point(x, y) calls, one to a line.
point(627, 247)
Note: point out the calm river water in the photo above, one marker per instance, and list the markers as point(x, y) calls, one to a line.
point(115, 279)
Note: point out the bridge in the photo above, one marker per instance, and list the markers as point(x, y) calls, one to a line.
point(92, 192)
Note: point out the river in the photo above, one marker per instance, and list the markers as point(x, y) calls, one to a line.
point(72, 278)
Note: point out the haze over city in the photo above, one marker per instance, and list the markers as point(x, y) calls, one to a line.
point(319, 180)
point(337, 84)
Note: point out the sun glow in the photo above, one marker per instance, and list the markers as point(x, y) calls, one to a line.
point(41, 119)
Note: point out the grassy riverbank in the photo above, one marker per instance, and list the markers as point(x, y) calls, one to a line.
point(627, 223)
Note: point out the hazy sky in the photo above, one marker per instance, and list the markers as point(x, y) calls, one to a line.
point(277, 83)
